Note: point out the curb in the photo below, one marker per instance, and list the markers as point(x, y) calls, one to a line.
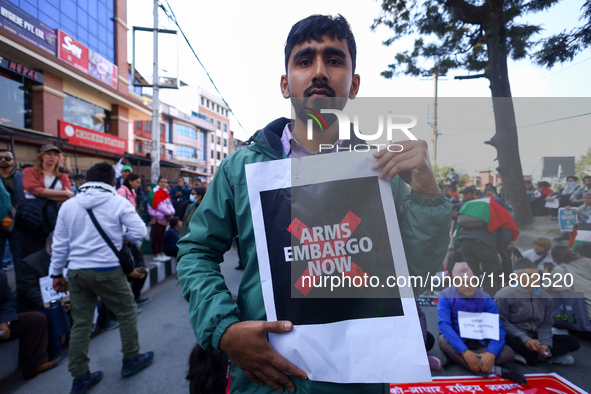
point(158, 271)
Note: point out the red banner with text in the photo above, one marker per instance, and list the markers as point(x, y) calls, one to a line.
point(536, 384)
point(81, 136)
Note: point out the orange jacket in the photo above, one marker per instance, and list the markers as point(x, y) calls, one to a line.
point(33, 181)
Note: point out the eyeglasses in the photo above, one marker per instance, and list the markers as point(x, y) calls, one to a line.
point(5, 158)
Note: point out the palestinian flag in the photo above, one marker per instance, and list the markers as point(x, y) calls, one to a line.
point(157, 195)
point(490, 212)
point(581, 234)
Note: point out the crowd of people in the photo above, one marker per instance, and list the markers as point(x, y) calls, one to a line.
point(57, 224)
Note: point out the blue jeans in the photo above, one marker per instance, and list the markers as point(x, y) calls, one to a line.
point(14, 240)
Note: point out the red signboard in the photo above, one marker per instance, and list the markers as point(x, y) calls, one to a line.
point(86, 60)
point(72, 52)
point(536, 384)
point(81, 136)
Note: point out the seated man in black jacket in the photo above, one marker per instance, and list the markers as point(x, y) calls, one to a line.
point(30, 328)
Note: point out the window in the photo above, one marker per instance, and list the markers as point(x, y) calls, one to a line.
point(138, 124)
point(85, 114)
point(207, 103)
point(202, 101)
point(138, 146)
point(186, 131)
point(15, 98)
point(212, 154)
point(212, 139)
point(218, 155)
point(225, 155)
point(148, 125)
point(186, 151)
point(219, 140)
point(225, 127)
point(202, 154)
point(219, 124)
point(225, 142)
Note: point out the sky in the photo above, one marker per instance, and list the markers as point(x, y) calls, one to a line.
point(241, 44)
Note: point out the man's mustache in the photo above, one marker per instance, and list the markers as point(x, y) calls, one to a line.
point(319, 86)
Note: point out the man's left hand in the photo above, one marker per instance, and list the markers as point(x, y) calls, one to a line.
point(60, 285)
point(487, 360)
point(412, 164)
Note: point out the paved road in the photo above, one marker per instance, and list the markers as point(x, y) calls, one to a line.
point(163, 327)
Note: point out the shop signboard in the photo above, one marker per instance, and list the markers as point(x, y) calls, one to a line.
point(18, 68)
point(26, 27)
point(87, 138)
point(86, 60)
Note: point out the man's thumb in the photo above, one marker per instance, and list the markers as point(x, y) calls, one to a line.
point(278, 327)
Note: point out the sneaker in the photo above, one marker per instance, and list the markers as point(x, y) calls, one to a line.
point(42, 368)
point(434, 363)
point(110, 325)
point(142, 301)
point(81, 384)
point(139, 310)
point(158, 257)
point(164, 257)
point(240, 266)
point(520, 359)
point(567, 359)
point(133, 366)
point(513, 375)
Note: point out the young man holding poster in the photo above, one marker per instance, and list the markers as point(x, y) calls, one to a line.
point(320, 58)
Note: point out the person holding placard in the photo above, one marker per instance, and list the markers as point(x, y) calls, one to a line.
point(526, 313)
point(482, 355)
point(320, 56)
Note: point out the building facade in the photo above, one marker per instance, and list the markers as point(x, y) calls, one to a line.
point(64, 79)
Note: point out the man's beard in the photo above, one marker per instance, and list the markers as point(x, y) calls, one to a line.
point(304, 105)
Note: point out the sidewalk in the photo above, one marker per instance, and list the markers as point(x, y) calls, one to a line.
point(543, 226)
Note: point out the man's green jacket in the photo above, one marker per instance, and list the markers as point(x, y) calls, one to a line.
point(225, 213)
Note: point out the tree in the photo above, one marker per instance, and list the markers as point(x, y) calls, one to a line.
point(584, 161)
point(442, 173)
point(565, 46)
point(478, 36)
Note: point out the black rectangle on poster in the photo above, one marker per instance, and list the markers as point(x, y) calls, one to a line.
point(349, 211)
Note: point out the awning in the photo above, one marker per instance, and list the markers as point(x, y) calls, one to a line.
point(146, 161)
point(193, 172)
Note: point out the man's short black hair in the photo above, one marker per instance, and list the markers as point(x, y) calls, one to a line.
point(174, 221)
point(316, 26)
point(8, 150)
point(101, 172)
point(584, 249)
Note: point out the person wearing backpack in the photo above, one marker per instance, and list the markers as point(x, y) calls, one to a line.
point(94, 270)
point(45, 188)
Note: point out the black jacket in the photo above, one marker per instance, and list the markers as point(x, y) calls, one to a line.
point(7, 300)
point(31, 268)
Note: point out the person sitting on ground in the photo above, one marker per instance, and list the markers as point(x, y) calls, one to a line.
point(428, 338)
point(530, 190)
point(482, 357)
point(30, 328)
point(577, 197)
point(492, 193)
point(526, 313)
point(172, 236)
point(539, 200)
point(578, 264)
point(563, 195)
point(127, 190)
point(540, 253)
point(508, 257)
point(583, 211)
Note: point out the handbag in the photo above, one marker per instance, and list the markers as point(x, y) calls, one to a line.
point(38, 214)
point(124, 255)
point(569, 310)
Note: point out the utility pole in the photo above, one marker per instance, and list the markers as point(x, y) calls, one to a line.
point(435, 133)
point(155, 155)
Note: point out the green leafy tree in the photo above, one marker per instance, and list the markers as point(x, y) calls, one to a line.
point(584, 160)
point(563, 47)
point(478, 36)
point(442, 173)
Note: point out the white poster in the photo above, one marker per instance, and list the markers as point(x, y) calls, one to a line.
point(336, 223)
point(552, 204)
point(48, 293)
point(478, 326)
